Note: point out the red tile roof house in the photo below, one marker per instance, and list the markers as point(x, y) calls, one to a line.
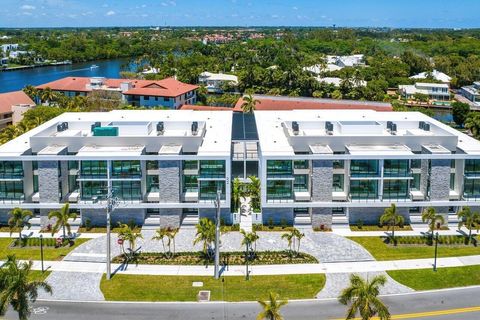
point(12, 107)
point(168, 92)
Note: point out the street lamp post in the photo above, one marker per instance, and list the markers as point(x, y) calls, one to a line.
point(217, 237)
point(247, 256)
point(436, 249)
point(41, 251)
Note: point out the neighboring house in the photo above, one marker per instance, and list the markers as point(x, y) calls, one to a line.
point(436, 75)
point(12, 107)
point(9, 47)
point(338, 81)
point(434, 91)
point(168, 92)
point(3, 61)
point(335, 63)
point(167, 165)
point(472, 92)
point(214, 82)
point(18, 54)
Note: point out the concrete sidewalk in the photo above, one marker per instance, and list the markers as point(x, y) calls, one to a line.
point(328, 268)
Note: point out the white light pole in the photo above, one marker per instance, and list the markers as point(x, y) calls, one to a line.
point(217, 237)
point(112, 203)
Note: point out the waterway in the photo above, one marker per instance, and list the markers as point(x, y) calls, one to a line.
point(16, 80)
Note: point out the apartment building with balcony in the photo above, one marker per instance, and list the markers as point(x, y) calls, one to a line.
point(434, 91)
point(318, 163)
point(167, 164)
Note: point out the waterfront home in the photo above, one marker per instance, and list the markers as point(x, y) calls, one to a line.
point(12, 107)
point(338, 81)
point(168, 92)
point(9, 47)
point(215, 82)
point(436, 92)
point(472, 92)
point(435, 74)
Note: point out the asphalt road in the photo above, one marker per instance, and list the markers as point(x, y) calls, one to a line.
point(446, 304)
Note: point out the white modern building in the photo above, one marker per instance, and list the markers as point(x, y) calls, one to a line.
point(214, 82)
point(434, 91)
point(472, 92)
point(9, 47)
point(162, 164)
point(338, 81)
point(435, 74)
point(335, 63)
point(315, 164)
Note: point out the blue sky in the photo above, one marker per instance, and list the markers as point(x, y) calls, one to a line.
point(349, 13)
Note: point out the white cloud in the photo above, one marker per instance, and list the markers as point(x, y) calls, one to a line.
point(295, 8)
point(164, 4)
point(26, 13)
point(144, 5)
point(144, 15)
point(27, 7)
point(274, 16)
point(172, 3)
point(105, 5)
point(110, 13)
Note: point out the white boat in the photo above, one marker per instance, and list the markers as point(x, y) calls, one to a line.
point(93, 66)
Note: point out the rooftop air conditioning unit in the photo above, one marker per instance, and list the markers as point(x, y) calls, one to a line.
point(329, 127)
point(421, 124)
point(160, 128)
point(393, 128)
point(194, 128)
point(295, 128)
point(389, 125)
point(426, 127)
point(61, 127)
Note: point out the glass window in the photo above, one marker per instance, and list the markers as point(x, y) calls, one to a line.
point(72, 183)
point(416, 163)
point(35, 183)
point(472, 167)
point(279, 168)
point(279, 189)
point(395, 189)
point(127, 190)
point(471, 188)
point(300, 183)
point(11, 190)
point(396, 168)
point(364, 189)
point(11, 169)
point(91, 189)
point(152, 165)
point(208, 189)
point(338, 182)
point(212, 168)
point(190, 184)
point(152, 183)
point(94, 169)
point(72, 165)
point(126, 169)
point(452, 181)
point(415, 183)
point(301, 164)
point(364, 168)
point(190, 164)
point(338, 164)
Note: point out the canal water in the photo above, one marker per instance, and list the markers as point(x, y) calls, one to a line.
point(16, 80)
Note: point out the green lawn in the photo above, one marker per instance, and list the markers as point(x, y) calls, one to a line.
point(49, 253)
point(427, 279)
point(179, 288)
point(382, 251)
point(379, 228)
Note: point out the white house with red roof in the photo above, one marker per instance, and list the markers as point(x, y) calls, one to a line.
point(168, 92)
point(12, 107)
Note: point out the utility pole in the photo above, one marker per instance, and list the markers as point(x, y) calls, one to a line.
point(435, 259)
point(217, 237)
point(41, 251)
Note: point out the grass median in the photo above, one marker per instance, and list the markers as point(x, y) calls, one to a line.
point(33, 253)
point(179, 288)
point(383, 251)
point(427, 279)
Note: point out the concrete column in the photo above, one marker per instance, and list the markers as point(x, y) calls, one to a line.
point(169, 181)
point(170, 218)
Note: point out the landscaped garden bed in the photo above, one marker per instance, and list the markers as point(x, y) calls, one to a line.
point(32, 252)
point(231, 258)
point(232, 288)
point(273, 228)
point(354, 227)
point(37, 242)
point(8, 229)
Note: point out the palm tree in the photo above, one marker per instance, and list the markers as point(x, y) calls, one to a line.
point(391, 218)
point(237, 186)
point(298, 237)
point(362, 295)
point(469, 219)
point(250, 239)
point(253, 191)
point(47, 95)
point(249, 103)
point(160, 235)
point(206, 234)
point(432, 218)
point(16, 289)
point(19, 219)
point(127, 233)
point(170, 234)
point(271, 309)
point(290, 237)
point(31, 91)
point(62, 218)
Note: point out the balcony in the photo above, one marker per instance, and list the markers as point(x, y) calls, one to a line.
point(416, 195)
point(153, 196)
point(302, 195)
point(190, 195)
point(339, 196)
